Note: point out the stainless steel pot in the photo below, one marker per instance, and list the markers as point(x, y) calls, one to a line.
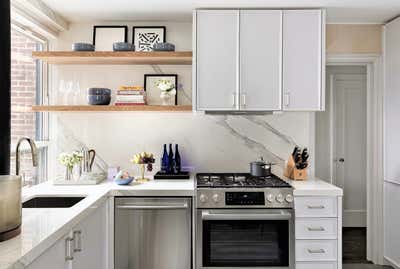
point(10, 206)
point(260, 168)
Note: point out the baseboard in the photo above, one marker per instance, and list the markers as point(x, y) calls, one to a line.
point(391, 262)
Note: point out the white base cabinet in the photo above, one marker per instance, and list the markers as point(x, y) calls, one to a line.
point(318, 236)
point(85, 246)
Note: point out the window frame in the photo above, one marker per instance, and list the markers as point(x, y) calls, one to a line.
point(42, 97)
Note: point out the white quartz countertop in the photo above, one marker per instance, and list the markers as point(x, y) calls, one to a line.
point(42, 227)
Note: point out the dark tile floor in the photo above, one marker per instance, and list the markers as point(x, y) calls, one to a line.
point(355, 250)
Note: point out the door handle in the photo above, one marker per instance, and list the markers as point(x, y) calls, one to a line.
point(233, 99)
point(287, 99)
point(316, 251)
point(206, 215)
point(341, 160)
point(244, 99)
point(315, 229)
point(315, 207)
point(68, 249)
point(77, 241)
point(171, 206)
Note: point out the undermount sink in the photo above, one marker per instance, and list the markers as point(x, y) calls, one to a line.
point(52, 202)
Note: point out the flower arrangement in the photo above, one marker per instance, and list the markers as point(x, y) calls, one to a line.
point(166, 87)
point(69, 160)
point(142, 159)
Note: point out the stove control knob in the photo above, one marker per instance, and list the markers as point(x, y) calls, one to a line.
point(270, 198)
point(203, 198)
point(279, 198)
point(289, 198)
point(216, 198)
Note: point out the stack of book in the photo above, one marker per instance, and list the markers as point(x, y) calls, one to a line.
point(130, 96)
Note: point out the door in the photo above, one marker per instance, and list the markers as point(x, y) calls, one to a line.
point(244, 238)
point(260, 59)
point(391, 142)
point(55, 256)
point(153, 233)
point(350, 144)
point(217, 33)
point(90, 240)
point(302, 60)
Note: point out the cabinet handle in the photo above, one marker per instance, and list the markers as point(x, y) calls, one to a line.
point(244, 99)
point(77, 241)
point(315, 207)
point(287, 99)
point(316, 229)
point(316, 251)
point(233, 99)
point(68, 249)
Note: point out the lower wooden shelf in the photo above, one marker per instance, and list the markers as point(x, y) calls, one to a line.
point(88, 108)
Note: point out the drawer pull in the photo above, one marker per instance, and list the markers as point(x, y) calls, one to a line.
point(316, 229)
point(316, 251)
point(315, 207)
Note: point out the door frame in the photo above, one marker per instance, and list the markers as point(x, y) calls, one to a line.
point(373, 63)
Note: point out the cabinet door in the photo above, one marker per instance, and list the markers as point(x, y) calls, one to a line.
point(55, 256)
point(303, 87)
point(90, 240)
point(217, 35)
point(260, 59)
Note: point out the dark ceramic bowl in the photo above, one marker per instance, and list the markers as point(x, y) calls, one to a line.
point(82, 47)
point(99, 99)
point(99, 91)
point(123, 46)
point(164, 47)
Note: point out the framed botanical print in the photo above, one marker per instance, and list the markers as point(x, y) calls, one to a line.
point(144, 37)
point(161, 89)
point(104, 36)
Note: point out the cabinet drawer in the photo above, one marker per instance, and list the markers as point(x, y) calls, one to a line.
point(316, 265)
point(309, 228)
point(316, 206)
point(316, 250)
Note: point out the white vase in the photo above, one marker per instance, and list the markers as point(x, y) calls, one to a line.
point(165, 99)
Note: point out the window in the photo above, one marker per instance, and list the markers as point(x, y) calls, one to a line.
point(27, 90)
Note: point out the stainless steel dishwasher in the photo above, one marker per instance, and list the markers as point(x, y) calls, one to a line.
point(153, 233)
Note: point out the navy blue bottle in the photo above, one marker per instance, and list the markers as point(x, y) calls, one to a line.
point(170, 160)
point(177, 159)
point(165, 160)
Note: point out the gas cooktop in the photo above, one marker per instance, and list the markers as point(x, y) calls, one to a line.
point(238, 180)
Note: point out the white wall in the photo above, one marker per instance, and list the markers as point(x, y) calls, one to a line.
point(207, 142)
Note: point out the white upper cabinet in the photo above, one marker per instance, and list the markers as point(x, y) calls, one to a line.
point(216, 65)
point(303, 60)
point(260, 60)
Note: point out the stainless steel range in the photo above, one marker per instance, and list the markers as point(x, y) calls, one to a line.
point(243, 221)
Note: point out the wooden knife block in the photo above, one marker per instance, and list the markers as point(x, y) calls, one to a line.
point(293, 173)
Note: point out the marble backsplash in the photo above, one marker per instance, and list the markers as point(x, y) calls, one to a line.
point(211, 143)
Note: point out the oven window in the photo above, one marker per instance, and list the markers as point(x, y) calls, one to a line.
point(245, 243)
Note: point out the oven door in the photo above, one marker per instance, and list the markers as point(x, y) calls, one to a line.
point(244, 238)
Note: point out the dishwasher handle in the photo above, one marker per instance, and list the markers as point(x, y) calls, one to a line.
point(152, 206)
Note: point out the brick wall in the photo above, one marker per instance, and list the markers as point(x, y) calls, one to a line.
point(23, 94)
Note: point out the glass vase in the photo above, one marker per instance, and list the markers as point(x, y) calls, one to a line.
point(68, 173)
point(142, 179)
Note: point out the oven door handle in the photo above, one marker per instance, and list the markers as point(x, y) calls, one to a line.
point(282, 215)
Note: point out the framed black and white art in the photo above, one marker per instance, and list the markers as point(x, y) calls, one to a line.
point(144, 37)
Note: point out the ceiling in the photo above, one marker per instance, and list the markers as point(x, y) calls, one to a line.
point(338, 11)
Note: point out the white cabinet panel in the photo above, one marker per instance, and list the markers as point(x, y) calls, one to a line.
point(316, 250)
point(303, 53)
point(392, 101)
point(54, 257)
point(90, 241)
point(217, 69)
point(392, 222)
point(260, 59)
point(316, 228)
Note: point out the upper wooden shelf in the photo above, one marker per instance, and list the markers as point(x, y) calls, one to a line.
point(87, 108)
point(112, 57)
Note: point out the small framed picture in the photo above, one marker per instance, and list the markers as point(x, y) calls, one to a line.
point(104, 36)
point(161, 89)
point(144, 37)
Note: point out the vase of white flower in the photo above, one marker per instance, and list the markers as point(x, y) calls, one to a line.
point(69, 160)
point(168, 91)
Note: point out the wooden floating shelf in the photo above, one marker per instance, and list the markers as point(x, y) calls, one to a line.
point(87, 108)
point(115, 58)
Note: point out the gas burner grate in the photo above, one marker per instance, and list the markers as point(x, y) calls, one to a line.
point(238, 180)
